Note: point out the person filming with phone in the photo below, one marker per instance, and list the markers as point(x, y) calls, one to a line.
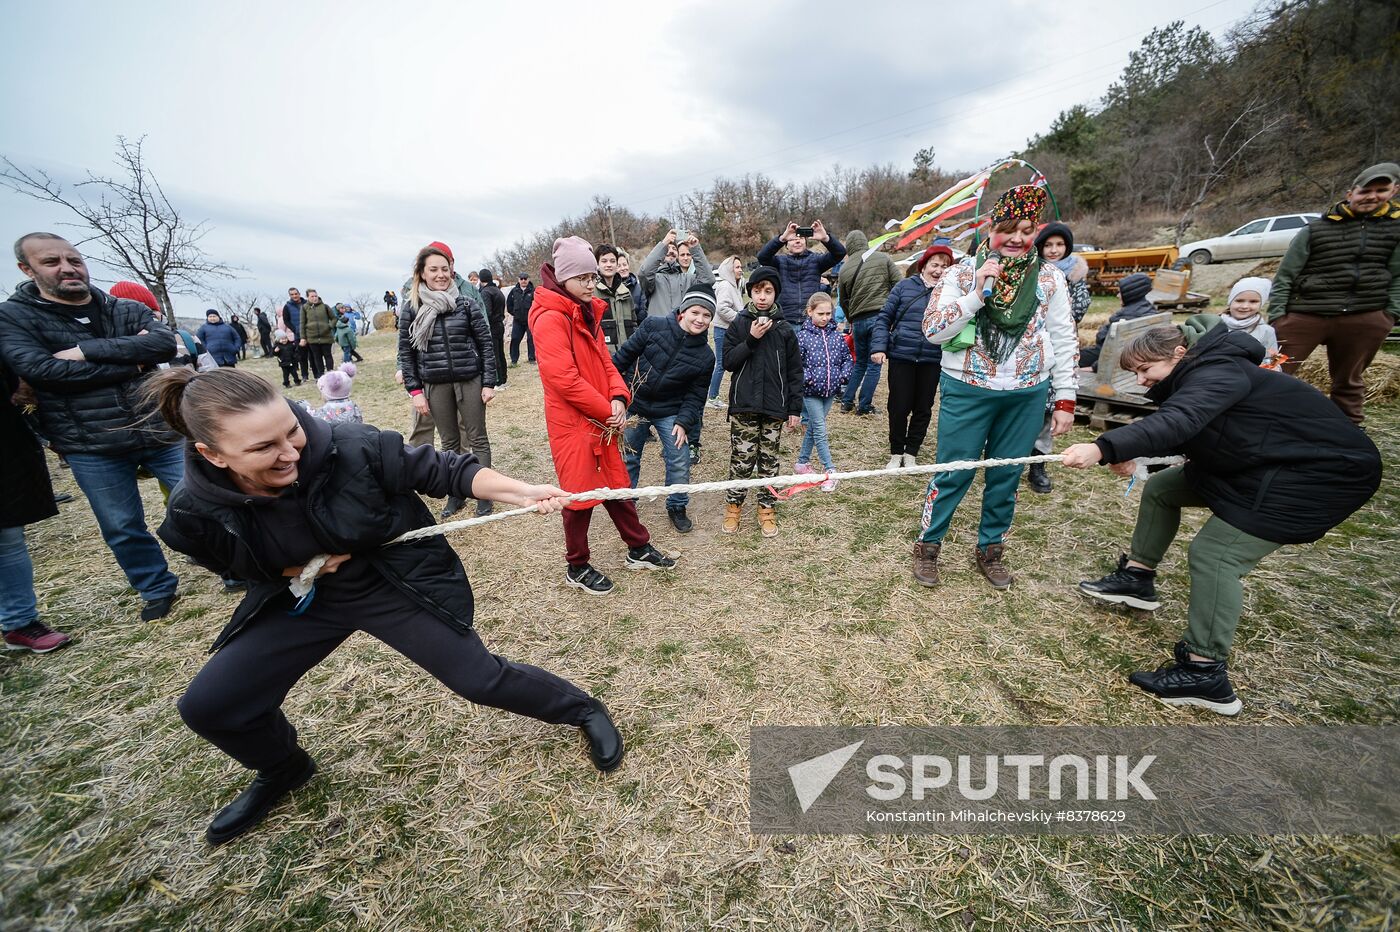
point(799, 269)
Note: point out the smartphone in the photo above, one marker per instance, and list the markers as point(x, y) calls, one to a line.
point(682, 236)
point(805, 231)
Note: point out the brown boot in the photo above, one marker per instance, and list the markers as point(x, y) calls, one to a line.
point(732, 514)
point(768, 520)
point(926, 564)
point(989, 562)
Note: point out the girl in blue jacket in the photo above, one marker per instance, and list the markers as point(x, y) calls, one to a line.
point(826, 365)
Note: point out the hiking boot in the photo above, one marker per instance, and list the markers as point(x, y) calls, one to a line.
point(896, 461)
point(1186, 682)
point(989, 562)
point(1039, 479)
point(35, 637)
point(605, 746)
point(926, 564)
point(732, 514)
point(679, 520)
point(588, 579)
point(768, 520)
point(484, 508)
point(647, 557)
point(1127, 585)
point(910, 459)
point(454, 505)
point(155, 609)
point(266, 790)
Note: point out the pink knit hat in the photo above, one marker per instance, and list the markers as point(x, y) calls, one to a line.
point(573, 256)
point(334, 385)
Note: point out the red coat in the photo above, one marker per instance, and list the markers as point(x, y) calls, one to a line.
point(580, 382)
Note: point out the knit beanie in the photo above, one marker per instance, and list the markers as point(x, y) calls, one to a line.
point(1134, 287)
point(1055, 229)
point(485, 276)
point(573, 256)
point(1262, 286)
point(334, 385)
point(133, 291)
point(442, 247)
point(764, 273)
point(700, 294)
point(216, 314)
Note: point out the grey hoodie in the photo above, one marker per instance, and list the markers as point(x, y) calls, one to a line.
point(667, 283)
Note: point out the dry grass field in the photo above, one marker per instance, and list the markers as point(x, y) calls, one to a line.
point(430, 813)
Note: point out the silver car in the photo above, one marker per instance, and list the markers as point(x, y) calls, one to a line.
point(1258, 239)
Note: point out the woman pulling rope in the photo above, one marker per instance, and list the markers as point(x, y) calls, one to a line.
point(262, 479)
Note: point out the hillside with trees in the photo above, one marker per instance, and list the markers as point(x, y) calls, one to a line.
point(1194, 136)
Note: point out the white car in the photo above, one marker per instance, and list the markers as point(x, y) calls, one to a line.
point(1258, 239)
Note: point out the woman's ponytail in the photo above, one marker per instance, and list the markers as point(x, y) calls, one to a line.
point(195, 403)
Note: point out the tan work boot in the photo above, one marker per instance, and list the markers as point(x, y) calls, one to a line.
point(926, 564)
point(989, 562)
point(768, 520)
point(732, 514)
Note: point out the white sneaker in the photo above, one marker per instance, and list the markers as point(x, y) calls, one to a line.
point(896, 461)
point(909, 460)
point(829, 485)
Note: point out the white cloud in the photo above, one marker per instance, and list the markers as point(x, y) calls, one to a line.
point(327, 141)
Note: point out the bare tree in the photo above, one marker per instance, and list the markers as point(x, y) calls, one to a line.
point(232, 301)
point(135, 227)
point(1223, 151)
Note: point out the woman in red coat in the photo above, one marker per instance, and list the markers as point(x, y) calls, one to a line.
point(585, 408)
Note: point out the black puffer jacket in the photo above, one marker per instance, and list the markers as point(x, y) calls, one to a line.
point(667, 369)
point(495, 301)
point(768, 373)
point(459, 350)
point(519, 300)
point(356, 488)
point(26, 495)
point(90, 406)
point(1270, 454)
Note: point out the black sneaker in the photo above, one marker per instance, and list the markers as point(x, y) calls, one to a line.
point(156, 609)
point(1126, 585)
point(847, 407)
point(867, 412)
point(1187, 682)
point(234, 585)
point(679, 520)
point(588, 579)
point(647, 557)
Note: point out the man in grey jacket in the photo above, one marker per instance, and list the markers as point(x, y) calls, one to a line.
point(671, 268)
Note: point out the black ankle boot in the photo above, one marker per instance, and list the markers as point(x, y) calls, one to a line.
point(604, 740)
point(1204, 684)
point(251, 805)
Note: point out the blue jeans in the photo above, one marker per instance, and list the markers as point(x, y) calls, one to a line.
point(17, 605)
point(814, 412)
point(719, 361)
point(109, 482)
point(865, 375)
point(675, 455)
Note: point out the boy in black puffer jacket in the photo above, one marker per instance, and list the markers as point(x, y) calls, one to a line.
point(760, 349)
point(667, 362)
point(1133, 290)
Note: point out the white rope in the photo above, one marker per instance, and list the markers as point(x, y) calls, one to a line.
point(302, 584)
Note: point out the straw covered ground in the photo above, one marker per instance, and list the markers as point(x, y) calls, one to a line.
point(432, 813)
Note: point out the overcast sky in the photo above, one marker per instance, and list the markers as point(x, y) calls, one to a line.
point(326, 142)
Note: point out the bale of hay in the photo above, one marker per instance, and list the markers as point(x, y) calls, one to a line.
point(1382, 377)
point(384, 320)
